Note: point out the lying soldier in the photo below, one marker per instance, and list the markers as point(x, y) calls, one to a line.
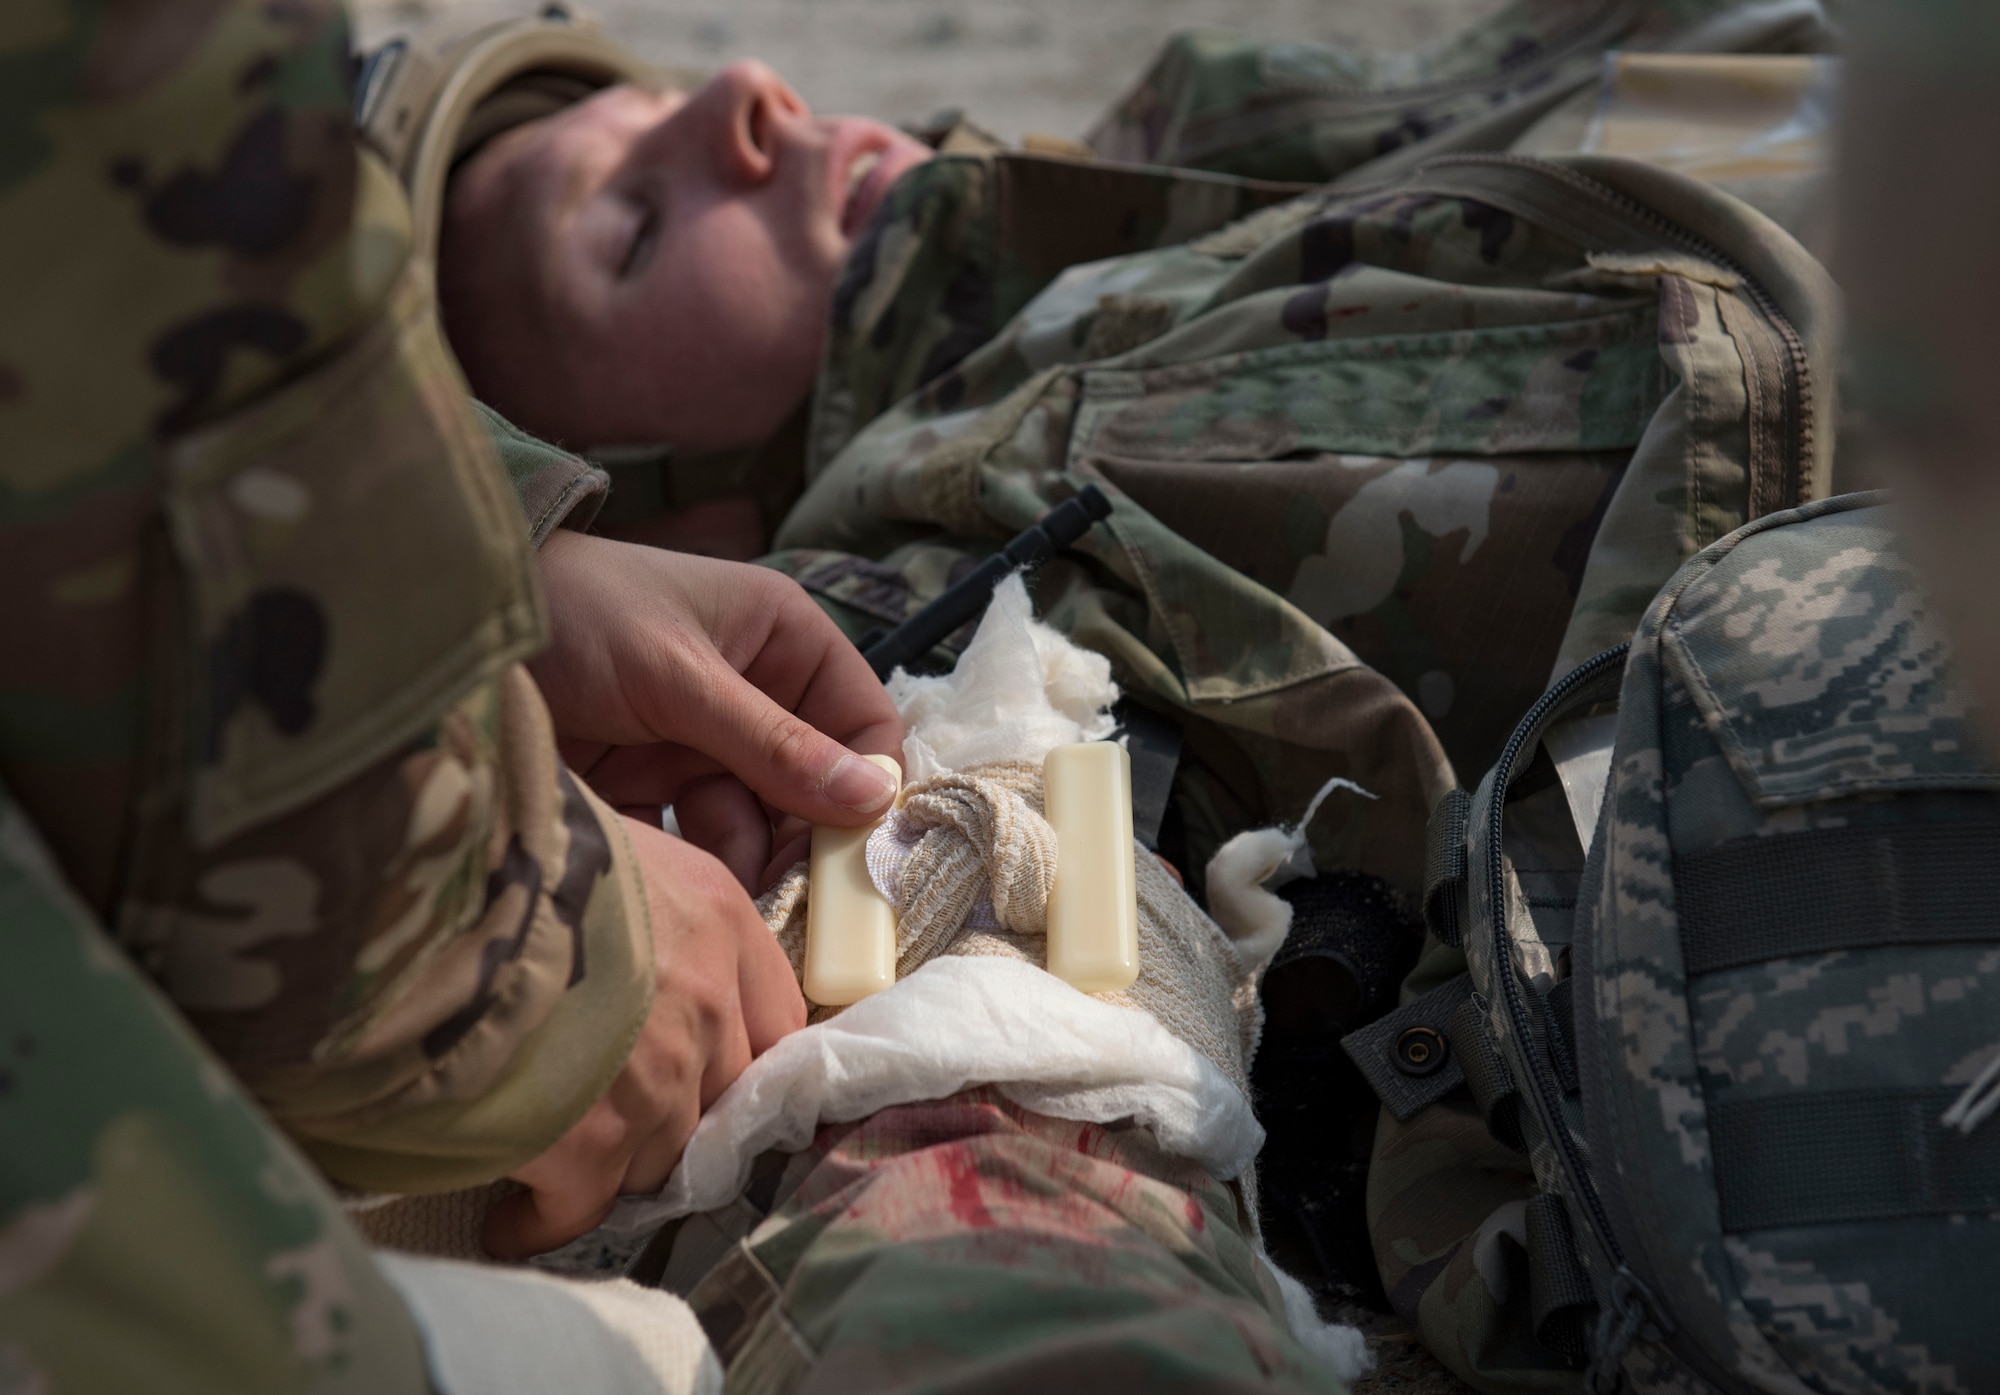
point(1382, 460)
point(1425, 428)
point(285, 836)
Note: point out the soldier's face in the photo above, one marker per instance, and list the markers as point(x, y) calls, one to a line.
point(657, 266)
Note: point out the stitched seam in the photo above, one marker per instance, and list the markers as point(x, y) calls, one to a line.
point(572, 494)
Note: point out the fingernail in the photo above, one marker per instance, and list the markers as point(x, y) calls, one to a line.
point(859, 786)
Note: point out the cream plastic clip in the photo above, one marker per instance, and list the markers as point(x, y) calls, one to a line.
point(850, 926)
point(1094, 906)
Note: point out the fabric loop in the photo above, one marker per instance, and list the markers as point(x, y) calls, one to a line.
point(1564, 1304)
point(1493, 1087)
point(983, 837)
point(1444, 867)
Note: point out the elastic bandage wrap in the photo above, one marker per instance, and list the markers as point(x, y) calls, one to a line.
point(968, 859)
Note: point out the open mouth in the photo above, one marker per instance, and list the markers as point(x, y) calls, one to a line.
point(859, 203)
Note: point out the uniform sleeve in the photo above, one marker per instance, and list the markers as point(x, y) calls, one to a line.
point(260, 673)
point(556, 489)
point(159, 1234)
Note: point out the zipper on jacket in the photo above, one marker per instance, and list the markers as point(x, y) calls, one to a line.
point(1636, 1313)
point(1798, 380)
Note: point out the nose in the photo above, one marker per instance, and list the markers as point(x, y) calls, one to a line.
point(747, 106)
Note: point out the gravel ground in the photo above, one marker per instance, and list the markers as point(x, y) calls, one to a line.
point(1402, 1366)
point(1015, 66)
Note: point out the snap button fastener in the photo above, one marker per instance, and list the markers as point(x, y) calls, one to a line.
point(1420, 1050)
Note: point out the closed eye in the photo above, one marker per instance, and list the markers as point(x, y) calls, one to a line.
point(645, 236)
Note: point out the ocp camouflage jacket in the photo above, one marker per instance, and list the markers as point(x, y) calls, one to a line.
point(260, 689)
point(1383, 455)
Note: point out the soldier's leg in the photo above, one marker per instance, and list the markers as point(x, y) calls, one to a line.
point(970, 1245)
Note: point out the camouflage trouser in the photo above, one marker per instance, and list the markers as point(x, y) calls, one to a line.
point(155, 1232)
point(160, 1235)
point(968, 1244)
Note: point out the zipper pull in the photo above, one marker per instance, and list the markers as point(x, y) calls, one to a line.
point(1634, 1315)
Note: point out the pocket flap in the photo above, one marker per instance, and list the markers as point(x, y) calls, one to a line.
point(1819, 668)
point(354, 561)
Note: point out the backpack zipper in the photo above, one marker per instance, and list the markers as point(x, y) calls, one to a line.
point(1633, 1311)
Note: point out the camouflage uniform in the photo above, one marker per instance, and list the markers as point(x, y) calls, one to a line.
point(971, 1244)
point(1382, 461)
point(1369, 491)
point(156, 1234)
point(328, 824)
point(261, 700)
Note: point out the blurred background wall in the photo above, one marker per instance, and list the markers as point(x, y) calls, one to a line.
point(1015, 66)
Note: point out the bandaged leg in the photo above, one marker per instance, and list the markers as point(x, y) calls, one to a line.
point(972, 1244)
point(980, 1177)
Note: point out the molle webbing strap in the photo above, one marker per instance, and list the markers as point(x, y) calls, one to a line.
point(1445, 867)
point(1558, 1014)
point(1558, 1285)
point(1493, 1087)
point(1825, 1159)
point(1780, 897)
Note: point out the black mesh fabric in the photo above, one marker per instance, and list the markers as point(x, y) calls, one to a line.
point(1352, 941)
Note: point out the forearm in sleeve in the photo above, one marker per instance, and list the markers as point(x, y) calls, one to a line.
point(429, 974)
point(268, 593)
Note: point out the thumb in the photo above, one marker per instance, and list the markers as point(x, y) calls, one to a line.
point(791, 765)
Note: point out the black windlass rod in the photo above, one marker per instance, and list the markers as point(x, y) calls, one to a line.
point(1058, 528)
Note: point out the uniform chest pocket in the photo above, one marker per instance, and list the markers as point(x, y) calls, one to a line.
point(1588, 384)
point(353, 561)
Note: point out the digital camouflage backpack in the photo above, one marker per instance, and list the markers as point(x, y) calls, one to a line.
point(1702, 1113)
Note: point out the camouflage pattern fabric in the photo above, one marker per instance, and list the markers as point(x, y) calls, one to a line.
point(1782, 970)
point(1924, 298)
point(1293, 110)
point(158, 1235)
point(1420, 445)
point(1790, 697)
point(1447, 1208)
point(327, 821)
point(970, 1244)
point(1305, 504)
point(556, 489)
